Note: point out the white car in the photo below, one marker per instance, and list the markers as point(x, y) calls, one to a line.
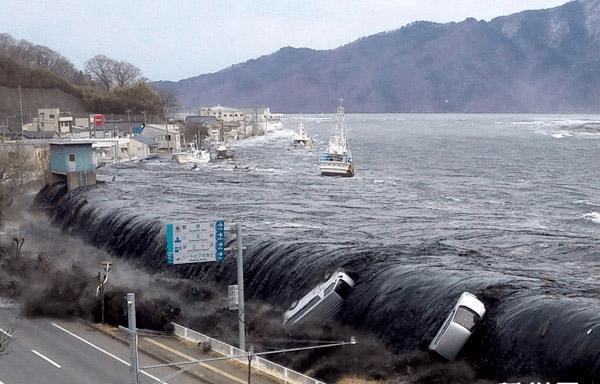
point(459, 325)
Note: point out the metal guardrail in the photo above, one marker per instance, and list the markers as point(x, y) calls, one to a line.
point(259, 363)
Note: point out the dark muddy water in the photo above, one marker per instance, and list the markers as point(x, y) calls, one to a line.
point(504, 206)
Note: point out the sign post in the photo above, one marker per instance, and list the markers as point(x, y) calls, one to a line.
point(204, 242)
point(98, 119)
point(195, 243)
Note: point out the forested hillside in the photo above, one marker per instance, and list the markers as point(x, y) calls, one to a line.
point(38, 77)
point(535, 61)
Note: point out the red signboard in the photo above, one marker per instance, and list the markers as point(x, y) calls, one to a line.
point(98, 120)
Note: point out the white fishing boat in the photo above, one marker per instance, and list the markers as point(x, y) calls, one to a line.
point(192, 155)
point(337, 158)
point(301, 138)
point(222, 152)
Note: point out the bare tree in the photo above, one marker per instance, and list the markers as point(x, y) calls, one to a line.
point(36, 57)
point(111, 73)
point(126, 74)
point(101, 69)
point(7, 42)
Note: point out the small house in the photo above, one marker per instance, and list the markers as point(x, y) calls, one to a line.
point(139, 147)
point(72, 162)
point(166, 135)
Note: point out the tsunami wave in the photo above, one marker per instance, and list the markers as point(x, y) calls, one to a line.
point(403, 293)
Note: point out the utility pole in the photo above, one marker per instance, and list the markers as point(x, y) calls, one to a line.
point(133, 338)
point(21, 103)
point(101, 282)
point(240, 277)
point(167, 132)
point(250, 355)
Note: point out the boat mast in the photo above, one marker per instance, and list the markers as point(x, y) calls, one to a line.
point(340, 126)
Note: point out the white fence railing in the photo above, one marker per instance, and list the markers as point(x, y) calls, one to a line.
point(263, 365)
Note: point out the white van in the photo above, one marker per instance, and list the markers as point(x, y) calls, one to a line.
point(323, 302)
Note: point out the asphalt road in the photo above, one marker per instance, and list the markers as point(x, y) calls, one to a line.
point(71, 352)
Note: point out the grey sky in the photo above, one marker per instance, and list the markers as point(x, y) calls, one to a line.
point(178, 39)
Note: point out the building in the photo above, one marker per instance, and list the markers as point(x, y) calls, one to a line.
point(139, 147)
point(238, 123)
point(230, 114)
point(73, 163)
point(225, 114)
point(167, 136)
point(50, 120)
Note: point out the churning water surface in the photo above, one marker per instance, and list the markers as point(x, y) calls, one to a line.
point(504, 206)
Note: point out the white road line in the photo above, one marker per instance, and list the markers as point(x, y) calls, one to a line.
point(105, 352)
point(190, 358)
point(45, 358)
point(7, 334)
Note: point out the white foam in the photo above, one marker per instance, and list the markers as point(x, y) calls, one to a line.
point(593, 216)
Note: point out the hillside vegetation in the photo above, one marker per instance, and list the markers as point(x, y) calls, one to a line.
point(545, 61)
point(48, 80)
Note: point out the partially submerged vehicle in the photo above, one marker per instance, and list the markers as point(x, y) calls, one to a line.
point(323, 302)
point(458, 327)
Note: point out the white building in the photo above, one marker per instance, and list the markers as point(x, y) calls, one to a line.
point(50, 120)
point(167, 136)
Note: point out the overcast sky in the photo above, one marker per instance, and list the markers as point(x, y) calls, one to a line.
point(178, 39)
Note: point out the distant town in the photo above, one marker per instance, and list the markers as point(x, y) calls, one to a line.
point(114, 139)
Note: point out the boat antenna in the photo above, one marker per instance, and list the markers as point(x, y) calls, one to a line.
point(340, 109)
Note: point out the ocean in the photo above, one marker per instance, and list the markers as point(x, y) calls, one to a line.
point(506, 207)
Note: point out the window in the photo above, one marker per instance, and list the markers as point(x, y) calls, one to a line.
point(465, 317)
point(71, 157)
point(329, 289)
point(342, 288)
point(51, 117)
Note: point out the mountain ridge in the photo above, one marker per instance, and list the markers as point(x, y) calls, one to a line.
point(538, 61)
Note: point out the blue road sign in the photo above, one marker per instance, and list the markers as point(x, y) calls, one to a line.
point(195, 243)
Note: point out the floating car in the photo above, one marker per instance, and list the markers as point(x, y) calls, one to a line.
point(459, 325)
point(323, 302)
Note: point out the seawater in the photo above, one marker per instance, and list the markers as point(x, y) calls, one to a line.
point(504, 206)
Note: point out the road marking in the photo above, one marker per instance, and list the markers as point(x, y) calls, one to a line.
point(105, 352)
point(45, 358)
point(7, 334)
point(209, 367)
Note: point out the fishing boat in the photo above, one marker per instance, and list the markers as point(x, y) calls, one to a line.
point(192, 155)
point(337, 158)
point(301, 138)
point(222, 152)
